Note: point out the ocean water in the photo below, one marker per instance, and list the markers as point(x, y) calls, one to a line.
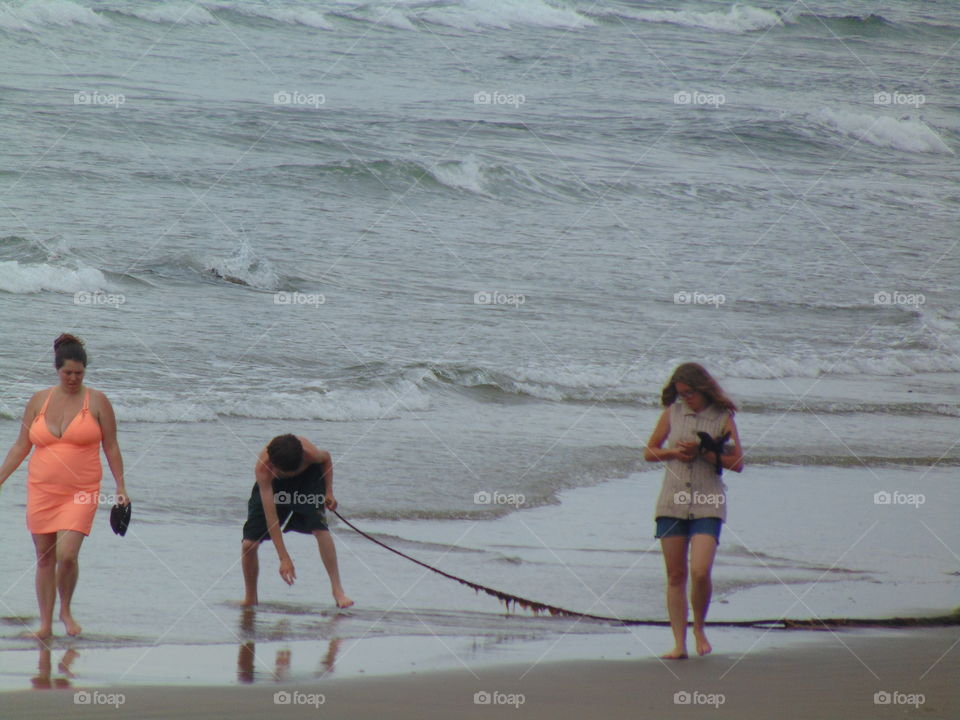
point(462, 245)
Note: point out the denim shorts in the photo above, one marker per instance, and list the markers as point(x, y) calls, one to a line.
point(671, 527)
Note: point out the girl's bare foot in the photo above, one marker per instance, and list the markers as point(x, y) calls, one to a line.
point(249, 601)
point(703, 645)
point(342, 600)
point(676, 654)
point(73, 628)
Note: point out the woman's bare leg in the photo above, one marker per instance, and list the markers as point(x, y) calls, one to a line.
point(46, 581)
point(68, 571)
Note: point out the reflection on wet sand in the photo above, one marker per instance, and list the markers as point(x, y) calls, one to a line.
point(247, 656)
point(43, 680)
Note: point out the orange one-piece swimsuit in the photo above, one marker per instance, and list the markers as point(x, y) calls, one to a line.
point(63, 477)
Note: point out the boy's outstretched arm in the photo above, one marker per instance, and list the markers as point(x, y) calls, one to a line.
point(265, 483)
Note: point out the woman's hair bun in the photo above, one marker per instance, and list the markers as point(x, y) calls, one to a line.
point(68, 347)
point(66, 339)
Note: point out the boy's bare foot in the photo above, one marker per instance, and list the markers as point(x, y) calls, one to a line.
point(676, 654)
point(72, 626)
point(703, 645)
point(249, 602)
point(342, 600)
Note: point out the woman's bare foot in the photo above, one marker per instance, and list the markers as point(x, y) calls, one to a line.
point(676, 654)
point(703, 645)
point(72, 626)
point(44, 633)
point(342, 600)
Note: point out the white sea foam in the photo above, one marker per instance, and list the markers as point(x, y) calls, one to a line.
point(629, 384)
point(26, 278)
point(738, 19)
point(340, 405)
point(288, 16)
point(942, 327)
point(182, 13)
point(879, 365)
point(474, 176)
point(392, 17)
point(557, 382)
point(479, 14)
point(162, 411)
point(908, 134)
point(38, 13)
point(246, 265)
point(386, 16)
point(463, 175)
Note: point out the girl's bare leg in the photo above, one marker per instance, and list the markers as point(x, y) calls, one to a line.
point(703, 549)
point(675, 558)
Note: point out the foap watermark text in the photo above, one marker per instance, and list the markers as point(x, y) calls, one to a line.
point(882, 697)
point(498, 298)
point(685, 697)
point(698, 498)
point(483, 97)
point(899, 98)
point(899, 298)
point(695, 97)
point(299, 298)
point(699, 298)
point(95, 697)
point(94, 498)
point(299, 99)
point(98, 297)
point(298, 498)
point(292, 697)
point(483, 697)
point(495, 497)
point(899, 498)
point(95, 97)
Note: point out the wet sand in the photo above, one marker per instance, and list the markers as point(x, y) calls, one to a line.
point(848, 675)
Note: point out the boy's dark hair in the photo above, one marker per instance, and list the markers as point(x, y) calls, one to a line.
point(285, 452)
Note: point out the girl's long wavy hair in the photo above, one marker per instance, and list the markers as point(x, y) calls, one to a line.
point(697, 377)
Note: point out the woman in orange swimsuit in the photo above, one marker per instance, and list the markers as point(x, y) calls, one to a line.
point(67, 423)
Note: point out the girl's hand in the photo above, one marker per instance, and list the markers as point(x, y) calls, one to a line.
point(686, 450)
point(331, 502)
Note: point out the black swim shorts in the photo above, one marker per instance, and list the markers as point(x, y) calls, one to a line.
point(300, 504)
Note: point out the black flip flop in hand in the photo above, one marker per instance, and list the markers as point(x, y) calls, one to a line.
point(714, 445)
point(120, 518)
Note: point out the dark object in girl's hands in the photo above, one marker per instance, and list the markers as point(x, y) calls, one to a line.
point(714, 445)
point(120, 518)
